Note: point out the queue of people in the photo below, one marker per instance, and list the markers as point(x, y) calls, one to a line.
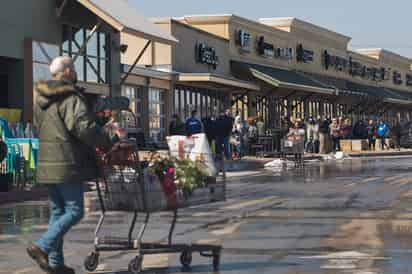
point(229, 134)
point(324, 135)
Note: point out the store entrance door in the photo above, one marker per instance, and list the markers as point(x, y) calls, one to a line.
point(4, 91)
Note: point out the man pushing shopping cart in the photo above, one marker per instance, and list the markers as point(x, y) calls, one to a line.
point(68, 135)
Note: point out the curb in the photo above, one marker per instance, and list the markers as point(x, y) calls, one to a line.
point(17, 196)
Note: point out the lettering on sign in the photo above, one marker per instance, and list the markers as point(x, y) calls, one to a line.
point(206, 55)
point(285, 53)
point(264, 49)
point(397, 78)
point(242, 39)
point(304, 55)
point(336, 62)
point(409, 80)
point(354, 68)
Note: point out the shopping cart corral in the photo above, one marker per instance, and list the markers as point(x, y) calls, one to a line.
point(129, 185)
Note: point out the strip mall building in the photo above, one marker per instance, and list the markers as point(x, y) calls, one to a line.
point(270, 68)
point(277, 67)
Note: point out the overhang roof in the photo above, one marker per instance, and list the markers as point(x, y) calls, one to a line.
point(351, 88)
point(279, 78)
point(125, 18)
point(216, 79)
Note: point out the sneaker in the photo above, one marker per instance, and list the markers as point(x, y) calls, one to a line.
point(61, 270)
point(39, 256)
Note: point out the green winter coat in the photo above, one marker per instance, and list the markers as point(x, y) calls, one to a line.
point(68, 134)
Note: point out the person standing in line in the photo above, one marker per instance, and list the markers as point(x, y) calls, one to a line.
point(68, 135)
point(335, 134)
point(260, 125)
point(224, 128)
point(382, 132)
point(193, 124)
point(396, 134)
point(323, 136)
point(176, 127)
point(252, 134)
point(371, 129)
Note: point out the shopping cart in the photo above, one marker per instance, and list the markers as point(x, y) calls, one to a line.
point(295, 147)
point(125, 185)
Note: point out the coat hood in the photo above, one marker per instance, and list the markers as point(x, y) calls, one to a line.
point(53, 90)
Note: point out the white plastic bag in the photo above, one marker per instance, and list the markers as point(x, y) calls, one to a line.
point(195, 148)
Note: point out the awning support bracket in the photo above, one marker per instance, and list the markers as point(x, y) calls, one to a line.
point(59, 10)
point(135, 62)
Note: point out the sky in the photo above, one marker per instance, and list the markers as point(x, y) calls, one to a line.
point(370, 23)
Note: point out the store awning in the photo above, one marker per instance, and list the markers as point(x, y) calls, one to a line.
point(401, 94)
point(345, 87)
point(125, 18)
point(218, 80)
point(279, 78)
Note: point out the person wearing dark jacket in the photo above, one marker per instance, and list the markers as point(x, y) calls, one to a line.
point(396, 133)
point(371, 130)
point(68, 136)
point(224, 127)
point(209, 126)
point(193, 124)
point(176, 127)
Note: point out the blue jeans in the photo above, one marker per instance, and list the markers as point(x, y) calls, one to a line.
point(222, 144)
point(66, 210)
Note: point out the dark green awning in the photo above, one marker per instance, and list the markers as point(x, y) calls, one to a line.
point(279, 78)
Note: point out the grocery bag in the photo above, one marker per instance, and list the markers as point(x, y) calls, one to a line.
point(195, 147)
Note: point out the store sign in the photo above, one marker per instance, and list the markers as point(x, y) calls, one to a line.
point(285, 53)
point(304, 55)
point(242, 39)
point(206, 55)
point(264, 49)
point(354, 68)
point(334, 62)
point(397, 78)
point(370, 73)
point(409, 80)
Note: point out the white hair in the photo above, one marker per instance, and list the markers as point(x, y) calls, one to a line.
point(60, 64)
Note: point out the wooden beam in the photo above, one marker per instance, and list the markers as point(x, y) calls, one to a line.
point(135, 62)
point(59, 10)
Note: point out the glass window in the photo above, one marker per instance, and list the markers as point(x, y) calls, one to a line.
point(157, 114)
point(133, 93)
point(43, 54)
point(92, 64)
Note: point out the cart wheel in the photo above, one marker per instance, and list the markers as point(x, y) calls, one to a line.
point(92, 261)
point(186, 259)
point(136, 265)
point(216, 261)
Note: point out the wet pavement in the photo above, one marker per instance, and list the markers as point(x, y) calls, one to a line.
point(345, 217)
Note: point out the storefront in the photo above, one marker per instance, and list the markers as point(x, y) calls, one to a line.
point(305, 70)
point(199, 71)
point(87, 30)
